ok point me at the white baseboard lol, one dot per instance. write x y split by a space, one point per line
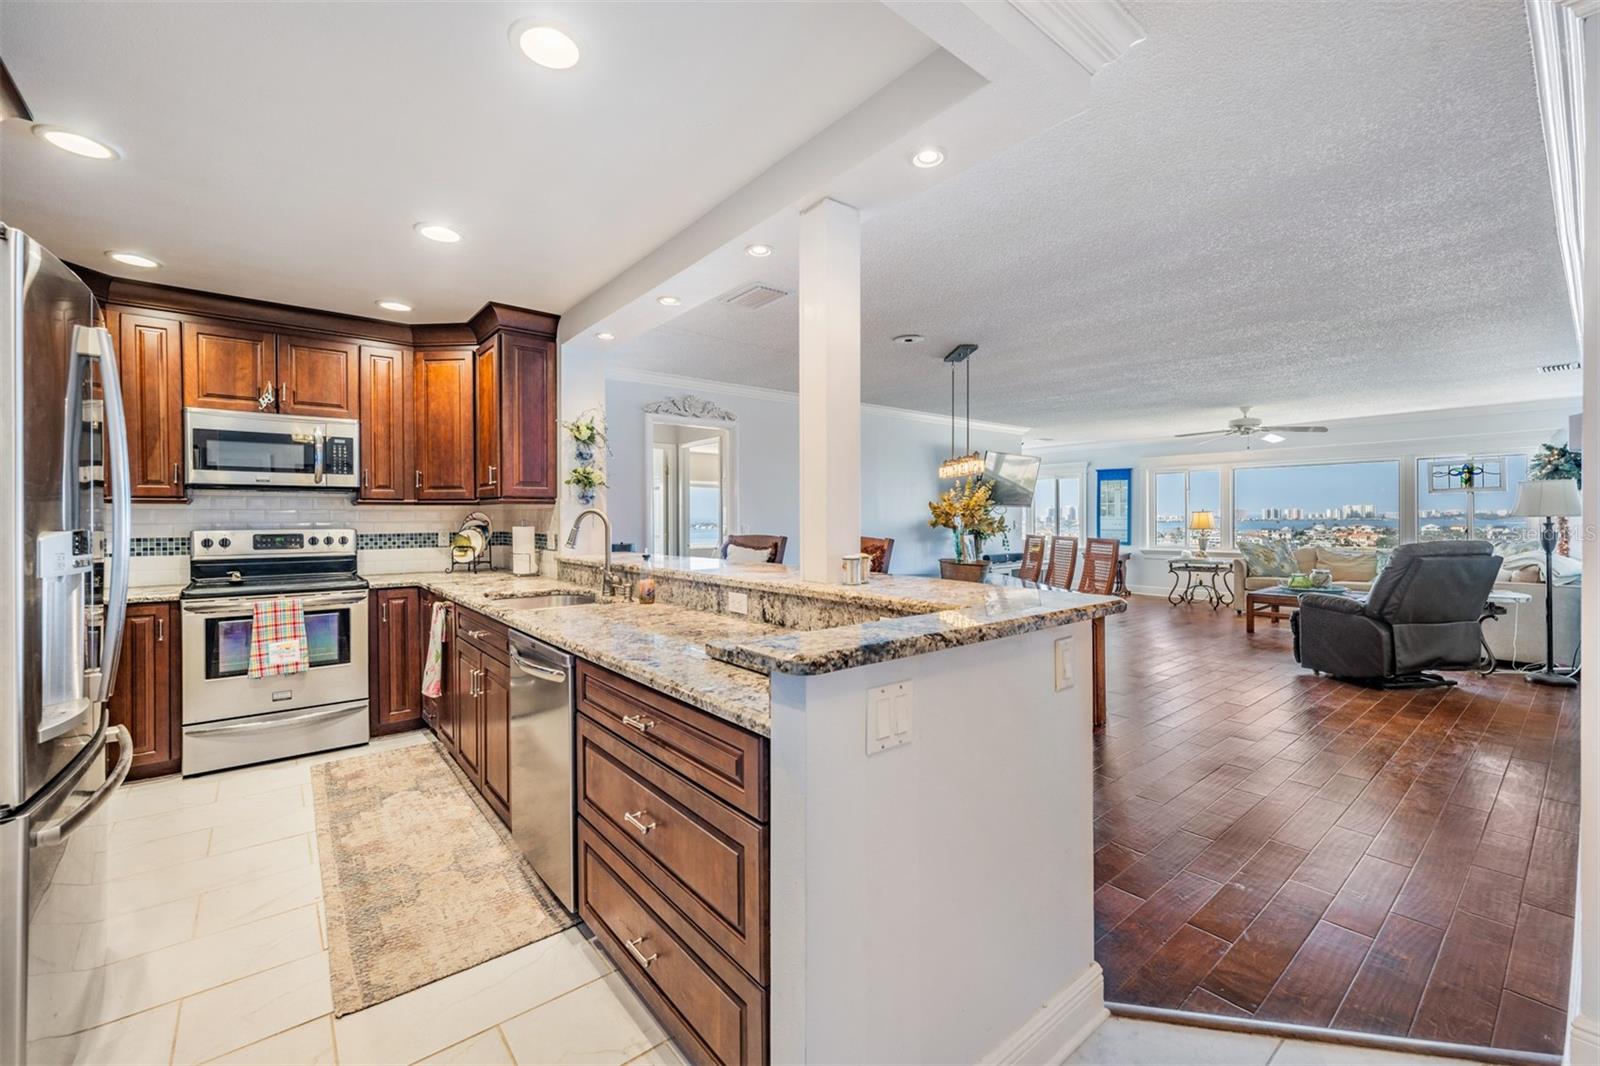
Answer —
1057 1028
1583 1040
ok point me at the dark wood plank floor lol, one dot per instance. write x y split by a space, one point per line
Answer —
1289 848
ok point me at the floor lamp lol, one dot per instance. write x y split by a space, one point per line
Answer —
1557 497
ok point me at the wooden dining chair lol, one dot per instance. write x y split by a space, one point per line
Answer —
877 550
1099 566
770 543
1063 562
1032 558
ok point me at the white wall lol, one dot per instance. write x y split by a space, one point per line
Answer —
900 455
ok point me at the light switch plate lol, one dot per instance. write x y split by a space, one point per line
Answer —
889 721
1063 663
738 602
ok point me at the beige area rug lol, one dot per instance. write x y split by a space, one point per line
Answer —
419 878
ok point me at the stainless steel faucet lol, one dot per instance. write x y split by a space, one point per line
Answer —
608 584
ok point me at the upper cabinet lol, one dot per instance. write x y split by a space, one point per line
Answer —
386 426
149 353
443 411
318 377
229 366
516 410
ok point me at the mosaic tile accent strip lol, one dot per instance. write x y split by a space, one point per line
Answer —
369 542
152 546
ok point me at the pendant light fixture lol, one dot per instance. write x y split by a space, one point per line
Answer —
969 464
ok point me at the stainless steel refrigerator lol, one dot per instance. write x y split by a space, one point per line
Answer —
64 539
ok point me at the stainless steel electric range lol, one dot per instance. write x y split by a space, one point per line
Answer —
233 719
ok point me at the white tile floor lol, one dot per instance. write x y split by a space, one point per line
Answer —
215 950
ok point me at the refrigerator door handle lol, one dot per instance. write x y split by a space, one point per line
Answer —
57 831
95 343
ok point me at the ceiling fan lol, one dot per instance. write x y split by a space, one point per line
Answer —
1247 427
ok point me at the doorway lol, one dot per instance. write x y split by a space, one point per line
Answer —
691 499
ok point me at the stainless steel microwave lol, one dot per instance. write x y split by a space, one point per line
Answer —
243 449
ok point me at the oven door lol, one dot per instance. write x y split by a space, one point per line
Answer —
216 657
235 448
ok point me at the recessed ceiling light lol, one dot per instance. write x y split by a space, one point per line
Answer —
134 259
393 305
760 251
668 301
76 143
909 338
928 157
434 231
606 336
545 45
1274 438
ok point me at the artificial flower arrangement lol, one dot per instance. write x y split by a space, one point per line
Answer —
588 432
967 510
587 480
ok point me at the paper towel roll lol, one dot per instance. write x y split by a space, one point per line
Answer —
524 552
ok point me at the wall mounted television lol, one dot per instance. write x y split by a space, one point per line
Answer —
1012 478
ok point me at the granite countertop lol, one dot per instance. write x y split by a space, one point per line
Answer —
659 645
153 593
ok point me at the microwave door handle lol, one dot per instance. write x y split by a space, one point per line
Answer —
95 343
320 441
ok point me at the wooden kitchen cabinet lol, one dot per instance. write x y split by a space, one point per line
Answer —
228 366
145 696
479 684
149 355
386 430
318 377
494 697
443 412
516 417
465 662
395 661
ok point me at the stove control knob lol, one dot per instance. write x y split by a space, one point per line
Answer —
344 540
206 543
225 543
313 542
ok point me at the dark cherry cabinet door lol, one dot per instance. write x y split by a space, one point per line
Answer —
395 660
465 662
149 349
318 376
494 693
385 423
144 697
527 437
228 366
486 368
443 405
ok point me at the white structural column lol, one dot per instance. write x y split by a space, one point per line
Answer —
1583 1044
581 392
830 388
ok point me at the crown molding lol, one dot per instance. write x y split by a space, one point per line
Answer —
1093 32
756 392
1581 8
1556 31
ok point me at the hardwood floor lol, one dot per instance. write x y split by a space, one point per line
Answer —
1278 846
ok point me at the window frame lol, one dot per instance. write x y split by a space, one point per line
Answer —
1221 536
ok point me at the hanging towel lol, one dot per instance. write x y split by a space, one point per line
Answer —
278 638
433 665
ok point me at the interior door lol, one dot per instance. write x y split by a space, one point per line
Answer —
229 367
318 376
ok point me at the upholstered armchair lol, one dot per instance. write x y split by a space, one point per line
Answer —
1421 615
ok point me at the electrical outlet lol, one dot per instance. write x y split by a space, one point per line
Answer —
888 717
1063 663
738 602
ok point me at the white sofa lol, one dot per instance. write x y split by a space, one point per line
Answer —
1519 636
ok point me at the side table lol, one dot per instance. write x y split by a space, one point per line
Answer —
1199 577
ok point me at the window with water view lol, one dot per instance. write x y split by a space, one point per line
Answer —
1333 505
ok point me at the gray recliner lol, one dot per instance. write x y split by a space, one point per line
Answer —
1422 614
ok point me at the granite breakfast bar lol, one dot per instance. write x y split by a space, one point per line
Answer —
922 743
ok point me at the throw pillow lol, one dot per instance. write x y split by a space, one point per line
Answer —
1349 566
1267 558
736 554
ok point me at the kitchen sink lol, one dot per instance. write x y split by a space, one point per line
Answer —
540 600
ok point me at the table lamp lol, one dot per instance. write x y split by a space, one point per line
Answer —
1202 522
1548 500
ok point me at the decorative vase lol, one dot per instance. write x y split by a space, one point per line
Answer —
584 450
586 497
957 570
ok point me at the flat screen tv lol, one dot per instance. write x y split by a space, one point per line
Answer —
1012 477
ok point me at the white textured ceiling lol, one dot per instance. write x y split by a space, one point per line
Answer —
283 151
1321 209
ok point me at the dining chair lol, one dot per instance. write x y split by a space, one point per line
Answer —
877 550
1063 562
770 543
1032 558
1100 566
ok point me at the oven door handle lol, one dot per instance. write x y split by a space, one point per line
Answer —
231 605
543 673
256 727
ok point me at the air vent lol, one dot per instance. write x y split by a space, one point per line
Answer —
753 297
1557 368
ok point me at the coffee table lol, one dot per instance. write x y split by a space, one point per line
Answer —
1270 602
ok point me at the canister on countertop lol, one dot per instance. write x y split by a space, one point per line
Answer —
524 552
855 569
646 588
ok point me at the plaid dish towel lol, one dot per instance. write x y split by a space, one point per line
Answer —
433 665
278 638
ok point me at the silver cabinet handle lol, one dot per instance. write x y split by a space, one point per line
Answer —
492 479
634 819
384 612
283 391
56 832
177 473
419 479
161 629
477 634
639 722
633 947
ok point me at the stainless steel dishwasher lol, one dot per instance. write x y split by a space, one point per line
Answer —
543 815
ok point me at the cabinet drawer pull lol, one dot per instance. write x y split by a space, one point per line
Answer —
419 479
177 473
492 479
385 612
161 629
633 947
639 722
477 634
633 818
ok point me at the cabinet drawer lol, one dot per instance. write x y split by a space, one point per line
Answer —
485 634
711 1008
721 758
708 860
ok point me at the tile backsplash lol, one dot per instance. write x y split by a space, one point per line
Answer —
390 538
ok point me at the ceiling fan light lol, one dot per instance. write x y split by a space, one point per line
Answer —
1274 438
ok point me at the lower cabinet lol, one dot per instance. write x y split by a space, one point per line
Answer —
479 712
673 860
146 692
395 660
